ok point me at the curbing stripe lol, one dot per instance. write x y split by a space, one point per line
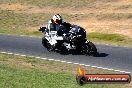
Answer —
65 62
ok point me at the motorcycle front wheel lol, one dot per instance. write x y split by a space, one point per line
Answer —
46 44
89 49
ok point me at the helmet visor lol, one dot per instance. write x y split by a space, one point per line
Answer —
58 21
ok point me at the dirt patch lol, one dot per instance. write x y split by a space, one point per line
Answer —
14 7
31 29
20 8
109 27
105 8
105 26
111 7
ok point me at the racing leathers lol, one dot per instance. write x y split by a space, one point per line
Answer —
61 29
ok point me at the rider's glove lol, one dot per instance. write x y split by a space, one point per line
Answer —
42 29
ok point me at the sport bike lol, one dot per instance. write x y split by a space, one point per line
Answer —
65 41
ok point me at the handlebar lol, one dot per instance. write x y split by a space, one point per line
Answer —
42 29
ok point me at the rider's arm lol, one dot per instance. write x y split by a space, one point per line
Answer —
67 25
51 26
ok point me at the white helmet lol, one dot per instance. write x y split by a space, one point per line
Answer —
57 19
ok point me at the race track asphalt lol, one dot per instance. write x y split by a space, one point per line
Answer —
109 56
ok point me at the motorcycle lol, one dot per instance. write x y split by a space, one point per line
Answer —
63 41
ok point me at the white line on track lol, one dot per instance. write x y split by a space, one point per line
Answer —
44 58
82 64
69 62
57 60
51 59
10 53
3 52
87 65
94 66
110 69
38 57
17 54
76 63
23 55
31 56
63 61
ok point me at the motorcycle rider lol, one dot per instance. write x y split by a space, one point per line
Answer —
57 24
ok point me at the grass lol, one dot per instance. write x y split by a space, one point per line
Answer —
110 38
106 37
21 72
22 23
19 20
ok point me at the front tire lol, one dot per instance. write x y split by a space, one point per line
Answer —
46 44
89 49
93 49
